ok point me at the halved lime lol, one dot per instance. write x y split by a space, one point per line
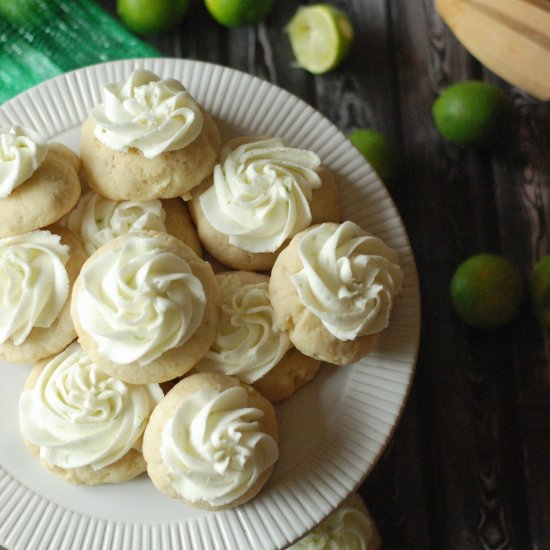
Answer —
320 36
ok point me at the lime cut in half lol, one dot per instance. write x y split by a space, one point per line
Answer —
320 36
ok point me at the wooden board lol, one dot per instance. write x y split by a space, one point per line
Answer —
467 467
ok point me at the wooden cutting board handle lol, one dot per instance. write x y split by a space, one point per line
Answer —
510 37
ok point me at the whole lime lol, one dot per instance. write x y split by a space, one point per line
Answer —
150 17
487 291
234 13
539 290
473 113
379 151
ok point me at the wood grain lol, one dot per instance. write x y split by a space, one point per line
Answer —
467 467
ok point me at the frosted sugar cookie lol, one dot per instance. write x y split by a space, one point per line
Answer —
37 271
97 220
261 194
39 182
350 526
145 307
83 424
149 139
249 346
211 441
333 289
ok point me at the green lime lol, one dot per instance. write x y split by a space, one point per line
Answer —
473 113
486 291
539 287
233 13
379 151
151 16
320 36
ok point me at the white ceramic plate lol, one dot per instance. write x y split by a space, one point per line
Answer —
332 431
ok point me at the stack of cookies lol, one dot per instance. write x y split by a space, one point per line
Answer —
193 285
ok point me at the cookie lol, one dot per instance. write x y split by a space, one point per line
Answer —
349 526
333 289
211 442
248 346
290 374
37 270
39 182
145 307
82 424
261 194
148 140
97 220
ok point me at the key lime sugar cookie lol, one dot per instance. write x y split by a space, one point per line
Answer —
261 194
350 526
145 307
212 442
149 139
39 182
83 424
249 346
97 220
333 289
37 272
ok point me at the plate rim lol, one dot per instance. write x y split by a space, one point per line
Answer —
245 535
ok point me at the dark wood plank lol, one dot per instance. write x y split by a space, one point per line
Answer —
467 466
463 376
523 203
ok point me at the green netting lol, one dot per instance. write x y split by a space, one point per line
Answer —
40 39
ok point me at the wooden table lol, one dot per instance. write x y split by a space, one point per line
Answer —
468 465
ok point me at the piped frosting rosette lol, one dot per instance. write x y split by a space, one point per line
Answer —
22 151
211 441
248 344
97 220
39 181
79 417
34 284
148 139
261 193
147 113
350 526
138 305
348 280
333 288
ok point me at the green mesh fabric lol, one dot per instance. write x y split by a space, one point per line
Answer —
40 39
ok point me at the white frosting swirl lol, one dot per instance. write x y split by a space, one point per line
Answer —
97 220
348 280
247 344
79 416
22 151
214 446
147 113
139 300
345 529
34 284
261 192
